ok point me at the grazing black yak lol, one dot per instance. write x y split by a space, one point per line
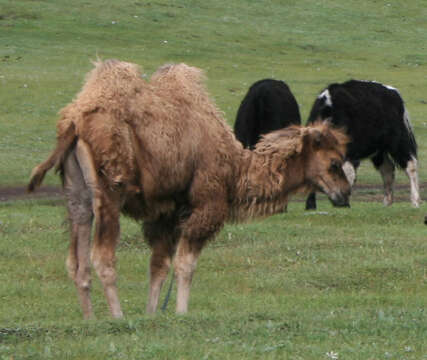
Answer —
377 122
269 105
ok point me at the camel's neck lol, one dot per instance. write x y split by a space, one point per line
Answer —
264 184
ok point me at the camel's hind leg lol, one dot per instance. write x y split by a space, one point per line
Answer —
106 208
79 204
103 252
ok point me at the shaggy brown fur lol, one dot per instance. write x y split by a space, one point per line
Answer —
162 153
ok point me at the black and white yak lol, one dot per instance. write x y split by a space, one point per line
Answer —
268 105
375 118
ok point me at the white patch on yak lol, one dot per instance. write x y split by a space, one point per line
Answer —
327 95
386 86
391 88
407 121
350 172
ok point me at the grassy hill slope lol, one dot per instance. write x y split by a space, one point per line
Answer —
46 48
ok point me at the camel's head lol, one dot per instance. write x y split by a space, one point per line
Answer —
324 150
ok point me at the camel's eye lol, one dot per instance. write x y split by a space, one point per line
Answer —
335 165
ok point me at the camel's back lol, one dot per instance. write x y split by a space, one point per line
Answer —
162 131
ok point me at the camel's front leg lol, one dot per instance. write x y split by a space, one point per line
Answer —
203 224
184 263
162 236
159 268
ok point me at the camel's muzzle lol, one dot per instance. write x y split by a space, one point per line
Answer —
340 200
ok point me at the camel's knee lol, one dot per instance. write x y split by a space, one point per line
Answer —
71 265
83 279
160 266
184 265
184 271
105 269
107 275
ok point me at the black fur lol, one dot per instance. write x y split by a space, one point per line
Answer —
374 118
269 105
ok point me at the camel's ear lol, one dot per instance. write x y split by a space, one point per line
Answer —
318 139
315 138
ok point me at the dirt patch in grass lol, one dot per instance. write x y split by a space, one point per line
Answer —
361 192
11 193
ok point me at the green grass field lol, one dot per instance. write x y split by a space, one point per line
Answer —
294 286
334 284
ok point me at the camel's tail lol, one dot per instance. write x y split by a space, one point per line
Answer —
64 143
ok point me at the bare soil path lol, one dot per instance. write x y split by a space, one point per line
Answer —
9 193
361 192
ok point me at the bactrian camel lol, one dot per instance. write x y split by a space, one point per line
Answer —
162 153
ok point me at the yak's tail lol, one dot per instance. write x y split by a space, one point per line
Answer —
64 143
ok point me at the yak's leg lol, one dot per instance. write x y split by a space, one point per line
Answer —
80 212
387 172
204 222
412 172
404 156
386 168
310 203
106 207
161 237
